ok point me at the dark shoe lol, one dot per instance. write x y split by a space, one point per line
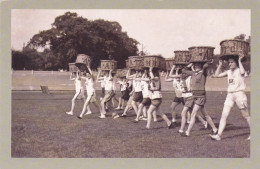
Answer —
79 117
214 133
171 125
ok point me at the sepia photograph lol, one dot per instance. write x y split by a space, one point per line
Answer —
130 83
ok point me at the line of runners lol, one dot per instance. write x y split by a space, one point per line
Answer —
142 92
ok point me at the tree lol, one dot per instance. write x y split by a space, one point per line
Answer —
71 35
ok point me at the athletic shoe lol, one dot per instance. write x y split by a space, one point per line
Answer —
188 122
185 134
181 133
79 117
144 118
206 125
102 117
116 116
89 112
214 132
69 113
118 108
135 121
215 137
123 115
173 120
248 138
155 120
171 126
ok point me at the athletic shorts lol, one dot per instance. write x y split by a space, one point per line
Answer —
91 97
178 100
103 92
108 96
199 100
81 94
138 97
129 103
237 97
125 94
156 102
188 102
146 101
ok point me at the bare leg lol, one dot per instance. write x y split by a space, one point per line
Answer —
196 108
164 117
149 115
73 102
139 111
155 116
223 120
173 106
209 120
183 118
135 107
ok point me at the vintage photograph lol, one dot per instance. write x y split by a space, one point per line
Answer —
130 83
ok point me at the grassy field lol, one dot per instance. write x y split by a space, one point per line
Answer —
40 128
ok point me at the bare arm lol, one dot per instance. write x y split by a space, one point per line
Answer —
218 74
240 65
99 79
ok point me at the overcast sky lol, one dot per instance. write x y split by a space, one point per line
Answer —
160 31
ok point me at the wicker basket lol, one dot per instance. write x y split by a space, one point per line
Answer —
136 62
169 62
182 57
153 61
83 61
201 53
108 64
233 47
73 67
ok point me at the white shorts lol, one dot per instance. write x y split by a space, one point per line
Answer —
237 97
91 97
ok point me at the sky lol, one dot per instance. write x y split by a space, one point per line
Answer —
159 31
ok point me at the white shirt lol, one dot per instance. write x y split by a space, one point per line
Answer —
155 94
137 85
236 81
145 91
123 85
79 84
109 84
102 83
178 85
90 85
187 93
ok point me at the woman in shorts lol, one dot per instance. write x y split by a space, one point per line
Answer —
91 98
156 97
235 92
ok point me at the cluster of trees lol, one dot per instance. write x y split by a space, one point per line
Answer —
71 35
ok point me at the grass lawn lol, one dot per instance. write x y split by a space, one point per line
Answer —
40 128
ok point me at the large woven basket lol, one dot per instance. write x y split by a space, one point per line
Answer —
83 61
201 53
136 62
233 47
181 56
169 62
73 67
108 64
155 61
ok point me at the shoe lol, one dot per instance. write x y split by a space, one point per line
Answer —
123 115
69 113
118 108
79 117
135 121
102 117
116 116
214 132
89 112
185 134
173 120
248 138
171 126
181 132
215 137
144 118
155 120
140 117
206 125
188 122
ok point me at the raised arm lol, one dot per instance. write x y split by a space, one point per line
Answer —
186 71
98 76
240 65
72 78
218 74
167 79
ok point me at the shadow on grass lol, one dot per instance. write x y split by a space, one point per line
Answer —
243 134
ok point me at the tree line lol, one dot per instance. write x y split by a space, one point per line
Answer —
71 35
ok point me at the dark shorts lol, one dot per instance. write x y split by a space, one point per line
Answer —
125 94
199 100
188 102
178 100
108 96
138 97
103 92
146 101
156 102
